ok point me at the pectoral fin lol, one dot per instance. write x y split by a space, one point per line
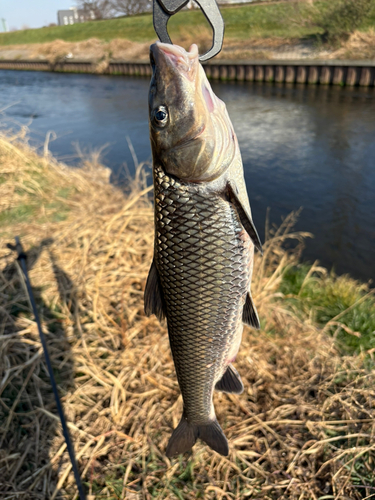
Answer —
244 217
250 315
154 303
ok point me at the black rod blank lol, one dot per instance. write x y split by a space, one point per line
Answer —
22 257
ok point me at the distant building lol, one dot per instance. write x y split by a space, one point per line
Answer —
74 16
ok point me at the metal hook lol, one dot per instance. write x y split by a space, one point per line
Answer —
164 9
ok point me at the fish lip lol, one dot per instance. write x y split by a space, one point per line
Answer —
178 58
177 51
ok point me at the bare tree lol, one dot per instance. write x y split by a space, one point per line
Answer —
131 7
96 9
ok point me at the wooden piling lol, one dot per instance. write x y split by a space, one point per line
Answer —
351 73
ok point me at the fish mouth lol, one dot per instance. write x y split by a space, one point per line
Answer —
185 62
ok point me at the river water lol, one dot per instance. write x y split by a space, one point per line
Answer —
302 146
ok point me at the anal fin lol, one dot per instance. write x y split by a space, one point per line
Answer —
250 315
230 382
154 303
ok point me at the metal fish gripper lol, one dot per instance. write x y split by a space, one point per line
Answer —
164 9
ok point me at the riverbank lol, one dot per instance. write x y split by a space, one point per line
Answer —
303 426
359 46
270 30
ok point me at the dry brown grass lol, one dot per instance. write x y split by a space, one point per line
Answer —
126 50
92 49
360 45
303 428
255 48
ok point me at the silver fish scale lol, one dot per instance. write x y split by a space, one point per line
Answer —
202 258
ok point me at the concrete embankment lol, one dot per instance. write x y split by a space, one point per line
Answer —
294 71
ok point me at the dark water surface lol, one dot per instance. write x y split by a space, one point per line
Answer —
310 146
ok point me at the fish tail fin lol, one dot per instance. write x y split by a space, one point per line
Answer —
185 436
213 435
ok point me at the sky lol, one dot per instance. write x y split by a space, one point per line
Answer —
32 13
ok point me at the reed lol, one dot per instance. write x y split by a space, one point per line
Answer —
303 428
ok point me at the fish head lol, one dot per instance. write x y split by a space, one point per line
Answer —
190 130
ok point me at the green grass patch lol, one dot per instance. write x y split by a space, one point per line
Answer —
15 215
32 205
57 212
264 21
324 298
337 19
240 22
65 192
137 28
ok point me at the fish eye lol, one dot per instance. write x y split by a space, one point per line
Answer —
161 116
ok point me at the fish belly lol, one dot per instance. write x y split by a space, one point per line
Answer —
204 258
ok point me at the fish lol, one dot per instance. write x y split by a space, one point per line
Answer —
200 276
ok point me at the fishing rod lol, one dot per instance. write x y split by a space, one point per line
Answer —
22 258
